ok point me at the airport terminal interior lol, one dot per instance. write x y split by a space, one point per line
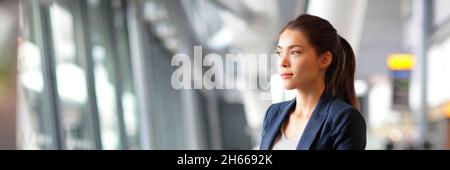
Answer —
99 74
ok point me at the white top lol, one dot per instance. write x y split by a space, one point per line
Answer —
284 143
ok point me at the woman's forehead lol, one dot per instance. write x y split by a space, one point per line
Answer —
290 38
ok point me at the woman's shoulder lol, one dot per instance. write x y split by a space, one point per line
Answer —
273 110
338 105
338 110
275 107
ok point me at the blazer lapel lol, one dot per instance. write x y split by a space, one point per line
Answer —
274 128
315 122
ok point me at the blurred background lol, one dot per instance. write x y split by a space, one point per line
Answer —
96 74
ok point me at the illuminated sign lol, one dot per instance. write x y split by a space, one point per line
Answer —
400 61
400 66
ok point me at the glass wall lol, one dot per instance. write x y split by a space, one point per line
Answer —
70 68
35 116
77 88
166 108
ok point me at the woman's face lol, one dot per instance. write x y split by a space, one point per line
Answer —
300 65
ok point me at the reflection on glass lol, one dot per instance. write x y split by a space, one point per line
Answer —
101 52
166 102
102 38
33 125
127 91
32 132
70 78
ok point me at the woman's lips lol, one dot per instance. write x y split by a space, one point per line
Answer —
286 75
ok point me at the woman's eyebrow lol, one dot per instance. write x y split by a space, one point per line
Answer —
291 46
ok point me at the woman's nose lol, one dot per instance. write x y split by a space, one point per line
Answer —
284 61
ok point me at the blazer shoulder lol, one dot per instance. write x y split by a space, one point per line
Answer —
274 108
341 113
271 112
338 105
339 108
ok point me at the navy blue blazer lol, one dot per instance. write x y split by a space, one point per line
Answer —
333 125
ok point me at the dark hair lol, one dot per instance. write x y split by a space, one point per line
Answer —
339 77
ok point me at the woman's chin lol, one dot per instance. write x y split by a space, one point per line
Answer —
288 86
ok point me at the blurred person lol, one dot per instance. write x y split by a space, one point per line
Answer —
320 65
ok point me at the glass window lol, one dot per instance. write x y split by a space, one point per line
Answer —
127 91
84 46
108 43
34 123
167 118
102 55
70 75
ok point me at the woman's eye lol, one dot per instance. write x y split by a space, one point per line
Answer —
295 52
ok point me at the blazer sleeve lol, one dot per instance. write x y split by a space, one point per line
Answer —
351 131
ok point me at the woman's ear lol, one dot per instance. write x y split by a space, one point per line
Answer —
325 60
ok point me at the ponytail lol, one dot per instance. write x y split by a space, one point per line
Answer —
340 76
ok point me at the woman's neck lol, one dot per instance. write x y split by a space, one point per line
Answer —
307 99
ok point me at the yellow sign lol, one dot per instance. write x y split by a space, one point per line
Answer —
400 61
447 109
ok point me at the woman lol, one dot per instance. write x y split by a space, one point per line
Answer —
320 65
